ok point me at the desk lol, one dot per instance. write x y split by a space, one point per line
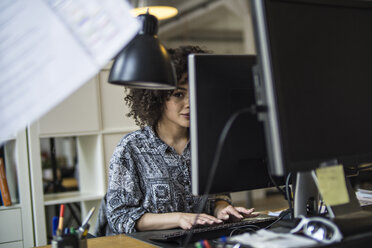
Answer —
360 240
118 241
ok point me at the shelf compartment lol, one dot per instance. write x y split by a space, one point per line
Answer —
68 197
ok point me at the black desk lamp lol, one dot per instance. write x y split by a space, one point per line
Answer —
144 62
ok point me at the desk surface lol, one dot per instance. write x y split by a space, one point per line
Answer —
114 242
360 240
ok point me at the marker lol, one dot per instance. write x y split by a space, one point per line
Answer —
54 225
198 245
223 239
60 223
206 244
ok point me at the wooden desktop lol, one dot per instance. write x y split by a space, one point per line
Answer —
117 241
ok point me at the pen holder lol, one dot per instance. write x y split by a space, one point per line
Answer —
69 241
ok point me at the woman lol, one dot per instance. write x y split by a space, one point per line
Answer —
149 175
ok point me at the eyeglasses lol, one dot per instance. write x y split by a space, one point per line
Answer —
318 228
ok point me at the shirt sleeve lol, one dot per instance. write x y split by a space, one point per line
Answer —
124 197
224 197
209 204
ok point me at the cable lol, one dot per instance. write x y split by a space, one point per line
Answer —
288 194
243 229
277 220
253 110
354 171
276 185
363 167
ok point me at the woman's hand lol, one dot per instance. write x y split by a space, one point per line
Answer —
225 211
187 220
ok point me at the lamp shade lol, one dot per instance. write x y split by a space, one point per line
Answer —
144 62
161 9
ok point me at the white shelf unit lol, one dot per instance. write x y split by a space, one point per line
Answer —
95 115
16 229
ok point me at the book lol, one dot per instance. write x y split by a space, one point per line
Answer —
8 155
1 155
4 185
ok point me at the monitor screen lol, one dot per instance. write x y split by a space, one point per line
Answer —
220 85
315 62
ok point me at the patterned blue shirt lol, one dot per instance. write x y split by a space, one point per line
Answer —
148 176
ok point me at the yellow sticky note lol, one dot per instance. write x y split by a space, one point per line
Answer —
332 186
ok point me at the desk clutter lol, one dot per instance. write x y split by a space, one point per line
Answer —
279 232
265 238
68 237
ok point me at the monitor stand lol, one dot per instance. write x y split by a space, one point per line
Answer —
306 195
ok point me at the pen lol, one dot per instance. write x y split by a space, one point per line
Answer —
90 213
60 223
86 229
83 231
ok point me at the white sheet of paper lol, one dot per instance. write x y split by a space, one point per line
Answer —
268 239
50 48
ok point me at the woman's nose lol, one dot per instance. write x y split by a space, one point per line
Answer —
187 101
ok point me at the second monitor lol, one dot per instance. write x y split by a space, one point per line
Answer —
221 85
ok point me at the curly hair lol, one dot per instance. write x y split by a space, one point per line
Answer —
146 106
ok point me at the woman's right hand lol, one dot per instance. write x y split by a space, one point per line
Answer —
187 220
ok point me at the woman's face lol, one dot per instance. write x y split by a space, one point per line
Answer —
177 108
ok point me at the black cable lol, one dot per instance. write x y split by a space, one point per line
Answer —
362 168
277 220
253 110
354 171
276 185
243 229
288 193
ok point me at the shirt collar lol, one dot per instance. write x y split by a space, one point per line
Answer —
162 146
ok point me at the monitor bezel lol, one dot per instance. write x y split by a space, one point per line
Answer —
264 80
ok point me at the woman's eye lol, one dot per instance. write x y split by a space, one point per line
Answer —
178 94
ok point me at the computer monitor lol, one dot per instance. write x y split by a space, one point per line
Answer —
221 85
315 78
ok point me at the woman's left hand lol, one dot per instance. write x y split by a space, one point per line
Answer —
224 211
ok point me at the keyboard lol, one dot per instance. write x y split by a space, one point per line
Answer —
216 230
